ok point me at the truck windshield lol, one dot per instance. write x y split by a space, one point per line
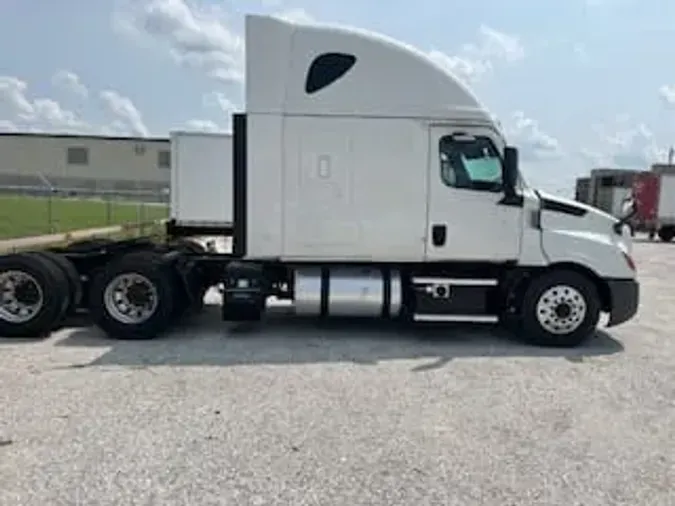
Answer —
486 168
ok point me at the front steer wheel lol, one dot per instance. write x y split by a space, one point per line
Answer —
134 297
559 309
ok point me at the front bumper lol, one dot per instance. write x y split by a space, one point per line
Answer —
625 298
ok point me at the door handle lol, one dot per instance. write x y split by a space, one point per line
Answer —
439 234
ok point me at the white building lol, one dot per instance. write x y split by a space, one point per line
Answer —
84 162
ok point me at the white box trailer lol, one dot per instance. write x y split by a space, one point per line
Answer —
201 180
609 189
666 209
366 181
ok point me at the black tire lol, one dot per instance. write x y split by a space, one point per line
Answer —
72 278
149 265
51 281
666 234
533 323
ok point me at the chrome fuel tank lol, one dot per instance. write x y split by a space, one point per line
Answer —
347 292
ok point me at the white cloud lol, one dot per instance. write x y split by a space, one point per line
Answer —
71 82
473 61
196 36
205 39
13 95
124 111
532 141
495 44
202 125
220 100
7 126
625 143
667 93
466 69
36 114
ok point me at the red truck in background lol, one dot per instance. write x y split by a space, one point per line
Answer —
654 202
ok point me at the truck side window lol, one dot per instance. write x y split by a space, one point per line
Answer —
326 69
471 164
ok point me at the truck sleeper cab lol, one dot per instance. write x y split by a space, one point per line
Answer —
366 182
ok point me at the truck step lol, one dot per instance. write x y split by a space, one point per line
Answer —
455 318
452 299
453 281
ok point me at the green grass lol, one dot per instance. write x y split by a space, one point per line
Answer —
22 216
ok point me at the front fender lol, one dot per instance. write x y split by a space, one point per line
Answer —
597 252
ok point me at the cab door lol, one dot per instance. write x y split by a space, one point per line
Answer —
467 219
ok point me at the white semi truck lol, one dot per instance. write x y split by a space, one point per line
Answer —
366 182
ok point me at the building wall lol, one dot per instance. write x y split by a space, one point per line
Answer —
107 160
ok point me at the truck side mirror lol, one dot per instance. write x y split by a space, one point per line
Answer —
510 170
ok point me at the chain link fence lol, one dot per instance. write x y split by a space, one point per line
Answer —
38 210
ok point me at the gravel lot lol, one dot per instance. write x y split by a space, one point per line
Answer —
295 414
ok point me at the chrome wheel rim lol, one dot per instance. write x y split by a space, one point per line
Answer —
131 298
21 297
561 309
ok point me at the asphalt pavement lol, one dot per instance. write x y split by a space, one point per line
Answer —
297 413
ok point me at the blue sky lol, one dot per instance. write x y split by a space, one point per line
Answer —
576 84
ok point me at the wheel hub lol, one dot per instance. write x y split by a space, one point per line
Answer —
21 297
130 298
561 309
27 293
138 294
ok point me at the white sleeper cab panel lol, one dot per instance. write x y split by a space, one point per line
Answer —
268 49
264 186
201 178
383 77
355 188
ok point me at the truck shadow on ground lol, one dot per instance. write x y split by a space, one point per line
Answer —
207 341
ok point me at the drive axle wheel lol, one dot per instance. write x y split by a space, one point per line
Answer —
34 295
560 309
71 275
134 297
